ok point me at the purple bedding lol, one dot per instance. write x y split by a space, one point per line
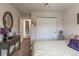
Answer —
74 44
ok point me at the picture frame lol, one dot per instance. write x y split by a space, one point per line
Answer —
77 18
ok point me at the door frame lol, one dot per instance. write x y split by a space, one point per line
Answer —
24 28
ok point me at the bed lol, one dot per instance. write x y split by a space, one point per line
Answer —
53 48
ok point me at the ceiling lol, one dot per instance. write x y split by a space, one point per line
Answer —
25 8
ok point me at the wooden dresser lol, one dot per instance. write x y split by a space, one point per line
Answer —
13 43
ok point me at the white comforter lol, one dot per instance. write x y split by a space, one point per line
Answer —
52 48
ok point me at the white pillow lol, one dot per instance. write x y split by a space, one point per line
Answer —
71 36
76 37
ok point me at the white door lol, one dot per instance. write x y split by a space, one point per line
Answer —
46 29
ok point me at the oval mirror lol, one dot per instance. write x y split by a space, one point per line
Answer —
8 20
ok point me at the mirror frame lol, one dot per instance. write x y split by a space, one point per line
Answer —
5 14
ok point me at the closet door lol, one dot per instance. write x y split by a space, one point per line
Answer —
46 29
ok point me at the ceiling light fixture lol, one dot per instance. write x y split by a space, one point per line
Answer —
46 4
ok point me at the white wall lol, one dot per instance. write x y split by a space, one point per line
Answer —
35 15
15 14
21 29
70 21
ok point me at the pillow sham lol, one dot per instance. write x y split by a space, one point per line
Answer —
74 44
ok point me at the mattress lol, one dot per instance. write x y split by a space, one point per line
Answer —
52 48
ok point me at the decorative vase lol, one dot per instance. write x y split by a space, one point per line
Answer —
5 37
